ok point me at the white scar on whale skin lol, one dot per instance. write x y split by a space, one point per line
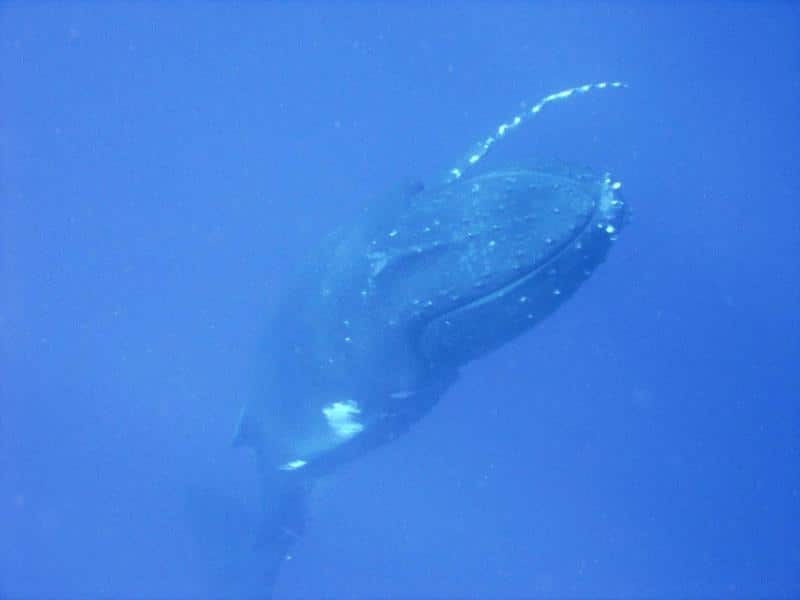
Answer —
341 417
483 147
293 465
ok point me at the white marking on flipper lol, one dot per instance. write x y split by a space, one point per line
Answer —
482 148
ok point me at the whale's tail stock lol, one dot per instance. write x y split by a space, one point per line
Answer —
285 509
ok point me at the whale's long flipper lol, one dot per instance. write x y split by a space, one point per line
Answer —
482 148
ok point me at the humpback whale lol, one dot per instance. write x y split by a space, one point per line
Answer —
384 314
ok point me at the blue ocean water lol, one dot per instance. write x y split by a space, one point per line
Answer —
165 165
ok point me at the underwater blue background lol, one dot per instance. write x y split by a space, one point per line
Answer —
164 166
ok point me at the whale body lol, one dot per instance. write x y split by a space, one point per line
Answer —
386 312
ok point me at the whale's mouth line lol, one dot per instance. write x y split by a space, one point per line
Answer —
607 209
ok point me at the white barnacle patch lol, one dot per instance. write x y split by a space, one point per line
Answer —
393 233
610 229
341 417
293 465
609 203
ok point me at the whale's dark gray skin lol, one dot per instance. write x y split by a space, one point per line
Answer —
386 312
